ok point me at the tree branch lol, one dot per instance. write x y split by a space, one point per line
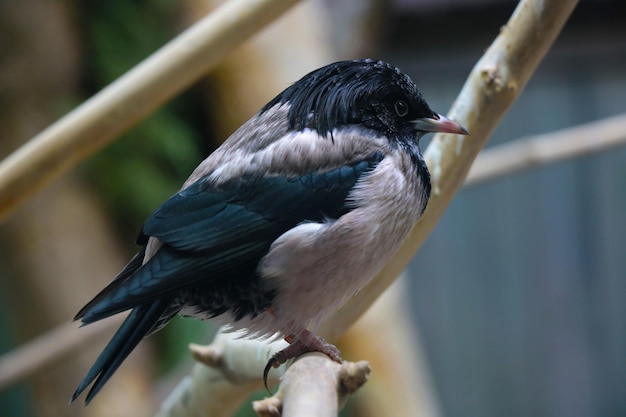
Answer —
492 86
228 372
141 90
547 148
390 340
314 386
49 348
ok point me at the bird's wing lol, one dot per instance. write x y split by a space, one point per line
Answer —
214 235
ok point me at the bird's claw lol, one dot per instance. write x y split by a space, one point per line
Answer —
295 349
272 363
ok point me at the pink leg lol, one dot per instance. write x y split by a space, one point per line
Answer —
305 342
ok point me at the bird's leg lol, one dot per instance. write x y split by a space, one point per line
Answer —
299 347
304 342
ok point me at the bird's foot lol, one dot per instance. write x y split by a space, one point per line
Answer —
297 348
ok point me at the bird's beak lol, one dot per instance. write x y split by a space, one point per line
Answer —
439 123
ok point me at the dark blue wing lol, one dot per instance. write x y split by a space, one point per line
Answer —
204 217
214 237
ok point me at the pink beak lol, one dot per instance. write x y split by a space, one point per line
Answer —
439 123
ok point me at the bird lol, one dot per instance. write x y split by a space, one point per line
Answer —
285 221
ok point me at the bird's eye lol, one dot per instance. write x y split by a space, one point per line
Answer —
402 109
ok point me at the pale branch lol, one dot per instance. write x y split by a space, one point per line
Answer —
314 386
548 148
138 92
492 86
228 372
390 340
230 368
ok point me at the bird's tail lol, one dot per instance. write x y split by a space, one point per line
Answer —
140 322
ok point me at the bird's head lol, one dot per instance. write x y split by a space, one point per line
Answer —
367 93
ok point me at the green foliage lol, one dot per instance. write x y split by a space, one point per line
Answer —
137 173
145 166
120 33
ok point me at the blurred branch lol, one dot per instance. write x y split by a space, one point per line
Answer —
138 92
547 148
389 338
49 348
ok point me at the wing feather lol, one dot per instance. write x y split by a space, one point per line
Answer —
215 235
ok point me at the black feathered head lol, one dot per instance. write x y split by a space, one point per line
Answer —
364 92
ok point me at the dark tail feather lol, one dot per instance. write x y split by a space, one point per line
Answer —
137 325
128 271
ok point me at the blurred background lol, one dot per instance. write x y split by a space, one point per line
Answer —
516 299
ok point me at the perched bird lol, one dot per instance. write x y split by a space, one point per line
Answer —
294 213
